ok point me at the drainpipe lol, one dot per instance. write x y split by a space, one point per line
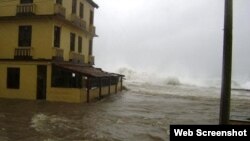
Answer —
227 64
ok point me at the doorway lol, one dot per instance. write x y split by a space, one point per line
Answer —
41 82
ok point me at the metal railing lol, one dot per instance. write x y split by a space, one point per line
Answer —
60 10
26 8
92 29
23 53
91 60
78 21
58 54
76 57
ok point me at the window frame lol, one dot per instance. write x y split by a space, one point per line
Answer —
90 47
81 11
72 41
24 36
57 36
59 2
80 44
13 78
74 6
26 1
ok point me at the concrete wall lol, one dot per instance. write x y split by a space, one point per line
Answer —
28 85
43 29
119 87
112 89
105 90
28 81
65 40
41 40
72 95
45 7
93 94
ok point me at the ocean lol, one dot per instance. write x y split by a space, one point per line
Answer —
143 111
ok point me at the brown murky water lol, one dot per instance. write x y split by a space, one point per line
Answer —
142 113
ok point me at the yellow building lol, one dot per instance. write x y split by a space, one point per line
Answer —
46 52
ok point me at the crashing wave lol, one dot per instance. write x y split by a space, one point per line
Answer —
172 81
155 78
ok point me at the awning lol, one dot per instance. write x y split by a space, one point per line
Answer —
85 70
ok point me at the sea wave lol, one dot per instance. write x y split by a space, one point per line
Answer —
158 78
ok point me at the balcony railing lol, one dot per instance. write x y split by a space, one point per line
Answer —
57 54
76 57
77 21
26 9
60 10
91 60
92 29
23 53
83 24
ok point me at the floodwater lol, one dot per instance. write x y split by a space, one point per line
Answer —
144 112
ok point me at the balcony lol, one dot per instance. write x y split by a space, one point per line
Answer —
59 10
57 54
26 9
78 22
92 29
23 53
91 60
76 57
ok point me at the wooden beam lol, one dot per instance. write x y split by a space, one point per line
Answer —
116 86
100 88
121 83
109 85
88 88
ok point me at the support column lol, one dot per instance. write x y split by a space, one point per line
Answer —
121 83
227 64
88 88
116 86
100 88
109 85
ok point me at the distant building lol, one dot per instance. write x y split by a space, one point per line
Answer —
46 52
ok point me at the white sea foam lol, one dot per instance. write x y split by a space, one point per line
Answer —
159 78
246 85
44 123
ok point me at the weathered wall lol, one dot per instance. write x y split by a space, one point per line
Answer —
28 78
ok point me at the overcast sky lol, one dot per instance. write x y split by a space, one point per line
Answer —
179 37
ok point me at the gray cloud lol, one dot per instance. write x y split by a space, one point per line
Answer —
172 36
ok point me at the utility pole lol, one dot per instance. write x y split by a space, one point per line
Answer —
227 64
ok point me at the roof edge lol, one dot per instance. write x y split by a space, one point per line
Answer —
93 3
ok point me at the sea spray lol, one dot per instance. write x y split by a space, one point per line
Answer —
145 77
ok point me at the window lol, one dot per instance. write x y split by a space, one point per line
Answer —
59 2
91 20
65 79
25 36
81 10
57 36
13 78
74 5
80 44
72 41
26 1
90 47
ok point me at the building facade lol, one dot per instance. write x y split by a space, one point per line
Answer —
47 52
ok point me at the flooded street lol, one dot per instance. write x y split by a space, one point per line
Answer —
144 112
